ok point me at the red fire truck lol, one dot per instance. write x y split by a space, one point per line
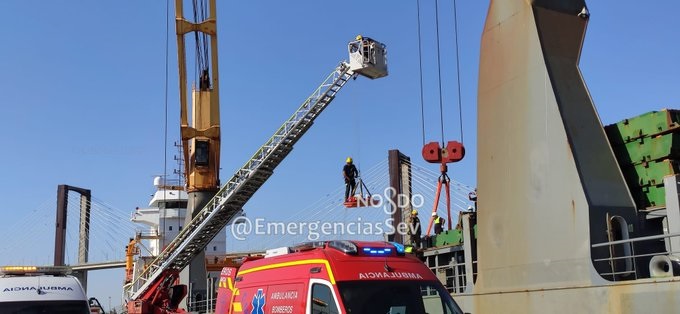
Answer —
333 277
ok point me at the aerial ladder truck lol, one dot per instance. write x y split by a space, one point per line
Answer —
156 290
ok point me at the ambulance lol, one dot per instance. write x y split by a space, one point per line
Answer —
334 277
41 289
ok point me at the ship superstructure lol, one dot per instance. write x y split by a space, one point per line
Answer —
165 216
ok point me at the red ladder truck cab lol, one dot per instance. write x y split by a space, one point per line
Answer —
334 277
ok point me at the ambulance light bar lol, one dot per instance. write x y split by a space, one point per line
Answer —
34 270
378 251
344 246
400 248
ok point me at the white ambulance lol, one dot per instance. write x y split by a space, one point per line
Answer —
41 289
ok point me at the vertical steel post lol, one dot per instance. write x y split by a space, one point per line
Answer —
400 187
60 226
84 232
393 168
84 242
469 249
404 203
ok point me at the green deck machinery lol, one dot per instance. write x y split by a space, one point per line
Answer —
648 149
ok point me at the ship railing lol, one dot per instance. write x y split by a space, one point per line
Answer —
148 234
206 304
458 278
633 257
639 239
455 279
168 181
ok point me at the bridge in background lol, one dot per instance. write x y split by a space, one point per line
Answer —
96 238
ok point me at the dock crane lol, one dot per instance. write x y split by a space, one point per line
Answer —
155 289
200 126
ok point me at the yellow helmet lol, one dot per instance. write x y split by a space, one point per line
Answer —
414 212
349 159
359 37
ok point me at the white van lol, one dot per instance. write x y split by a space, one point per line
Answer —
41 289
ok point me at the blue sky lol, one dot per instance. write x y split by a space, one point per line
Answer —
83 97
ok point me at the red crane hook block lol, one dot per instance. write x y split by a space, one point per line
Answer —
453 152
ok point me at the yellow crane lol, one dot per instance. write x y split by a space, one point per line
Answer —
201 134
200 124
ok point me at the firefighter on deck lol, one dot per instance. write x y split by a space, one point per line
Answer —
349 172
414 230
438 223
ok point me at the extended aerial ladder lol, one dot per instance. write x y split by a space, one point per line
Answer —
154 290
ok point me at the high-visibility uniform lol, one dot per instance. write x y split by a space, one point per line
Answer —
438 225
